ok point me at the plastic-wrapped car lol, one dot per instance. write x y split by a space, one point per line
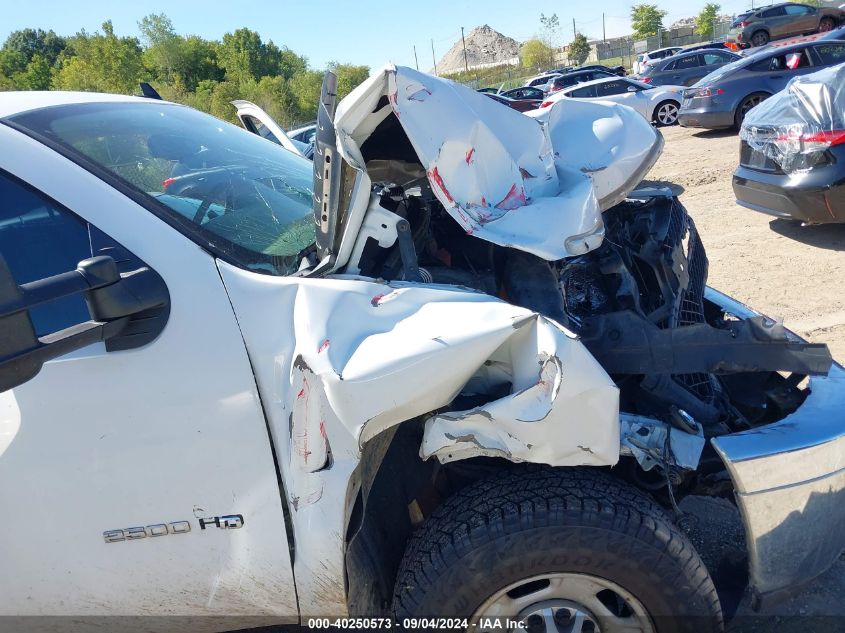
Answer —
792 156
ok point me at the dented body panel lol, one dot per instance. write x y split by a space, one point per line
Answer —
338 361
492 168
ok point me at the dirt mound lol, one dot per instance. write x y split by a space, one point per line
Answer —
485 47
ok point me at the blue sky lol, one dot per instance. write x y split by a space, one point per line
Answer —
369 32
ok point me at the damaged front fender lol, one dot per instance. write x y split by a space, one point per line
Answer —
338 361
556 393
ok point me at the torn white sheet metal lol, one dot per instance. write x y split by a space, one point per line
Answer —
338 361
491 167
612 143
557 388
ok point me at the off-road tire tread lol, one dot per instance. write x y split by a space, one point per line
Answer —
523 499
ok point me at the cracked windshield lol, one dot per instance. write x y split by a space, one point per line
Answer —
245 197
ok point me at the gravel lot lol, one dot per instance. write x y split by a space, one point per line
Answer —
783 270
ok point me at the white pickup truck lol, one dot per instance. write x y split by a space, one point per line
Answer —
460 370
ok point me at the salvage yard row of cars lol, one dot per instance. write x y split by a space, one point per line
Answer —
460 364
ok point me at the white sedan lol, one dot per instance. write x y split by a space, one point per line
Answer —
656 103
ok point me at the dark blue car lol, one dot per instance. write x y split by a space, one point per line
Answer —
724 97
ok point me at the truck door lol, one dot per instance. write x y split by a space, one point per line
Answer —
136 475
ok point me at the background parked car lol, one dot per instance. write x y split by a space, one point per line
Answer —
616 70
724 97
783 20
800 129
524 93
835 34
541 81
577 77
523 105
684 69
644 59
304 133
706 45
658 104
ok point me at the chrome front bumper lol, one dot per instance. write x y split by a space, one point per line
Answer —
789 479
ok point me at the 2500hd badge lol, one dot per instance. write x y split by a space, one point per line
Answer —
227 522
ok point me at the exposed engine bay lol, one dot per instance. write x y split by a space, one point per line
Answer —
637 302
622 268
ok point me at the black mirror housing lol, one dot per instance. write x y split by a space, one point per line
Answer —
113 300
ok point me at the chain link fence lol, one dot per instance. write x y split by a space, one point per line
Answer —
621 51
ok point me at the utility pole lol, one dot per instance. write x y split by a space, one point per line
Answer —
433 59
573 29
603 31
466 65
416 61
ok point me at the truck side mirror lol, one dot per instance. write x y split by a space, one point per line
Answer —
112 302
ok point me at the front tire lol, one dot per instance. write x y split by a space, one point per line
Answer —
552 545
666 113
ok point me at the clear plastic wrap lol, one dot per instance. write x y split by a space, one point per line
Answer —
795 126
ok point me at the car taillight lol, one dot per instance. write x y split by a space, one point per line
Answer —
706 92
743 24
646 80
816 141
554 88
167 182
546 104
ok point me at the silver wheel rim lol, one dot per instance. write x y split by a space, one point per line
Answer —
667 114
563 602
750 103
759 40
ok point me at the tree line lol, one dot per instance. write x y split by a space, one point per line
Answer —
189 69
646 21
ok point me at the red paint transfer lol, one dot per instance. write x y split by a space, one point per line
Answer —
437 179
469 154
513 200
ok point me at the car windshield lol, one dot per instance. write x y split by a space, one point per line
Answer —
243 197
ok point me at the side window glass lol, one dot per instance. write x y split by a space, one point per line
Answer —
690 61
671 66
774 13
38 239
612 88
262 130
796 9
831 53
786 61
583 93
797 59
709 59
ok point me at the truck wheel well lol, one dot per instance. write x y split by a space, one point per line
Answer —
397 491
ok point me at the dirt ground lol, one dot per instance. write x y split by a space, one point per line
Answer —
780 268
783 270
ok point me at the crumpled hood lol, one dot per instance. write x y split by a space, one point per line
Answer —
496 171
